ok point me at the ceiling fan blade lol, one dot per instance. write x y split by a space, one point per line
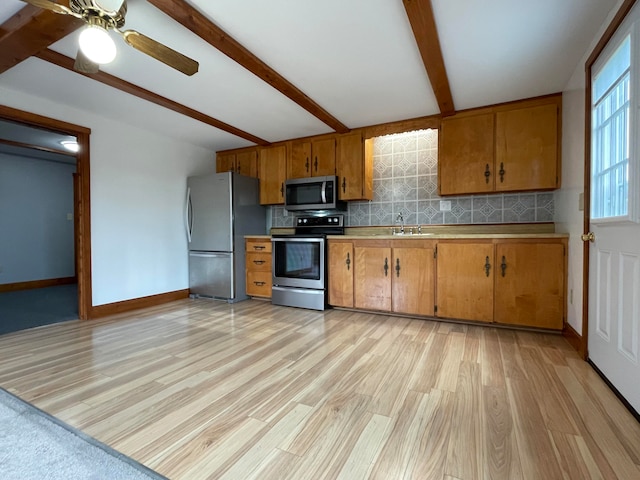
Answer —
84 65
160 52
54 7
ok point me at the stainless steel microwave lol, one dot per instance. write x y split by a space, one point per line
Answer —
312 193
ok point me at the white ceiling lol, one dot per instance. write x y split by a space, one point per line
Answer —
357 59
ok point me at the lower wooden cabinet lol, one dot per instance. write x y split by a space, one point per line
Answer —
465 280
507 281
530 284
340 268
258 267
385 275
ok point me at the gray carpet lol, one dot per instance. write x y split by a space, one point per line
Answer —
36 446
40 306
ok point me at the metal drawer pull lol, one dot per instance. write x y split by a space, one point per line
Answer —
397 267
316 164
503 265
259 262
487 173
386 266
487 266
260 284
348 262
344 184
502 172
258 247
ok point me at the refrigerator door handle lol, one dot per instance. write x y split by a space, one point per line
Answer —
188 219
323 192
210 255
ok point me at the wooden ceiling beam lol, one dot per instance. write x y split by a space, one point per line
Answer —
423 24
30 30
197 23
122 85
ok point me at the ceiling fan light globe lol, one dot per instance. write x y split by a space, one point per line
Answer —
97 44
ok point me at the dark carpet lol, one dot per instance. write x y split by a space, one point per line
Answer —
39 306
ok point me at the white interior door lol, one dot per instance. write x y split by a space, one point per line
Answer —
614 254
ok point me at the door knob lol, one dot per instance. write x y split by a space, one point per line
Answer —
588 237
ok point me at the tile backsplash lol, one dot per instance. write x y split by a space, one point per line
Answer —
405 169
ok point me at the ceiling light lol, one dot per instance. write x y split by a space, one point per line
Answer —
70 145
97 45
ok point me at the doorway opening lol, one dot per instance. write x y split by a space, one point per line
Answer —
39 138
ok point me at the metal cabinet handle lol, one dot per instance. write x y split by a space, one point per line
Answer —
258 247
487 266
259 284
258 262
344 184
501 172
306 165
487 173
348 261
282 189
386 266
397 267
503 265
316 164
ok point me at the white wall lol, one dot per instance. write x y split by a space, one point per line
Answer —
568 217
138 187
36 239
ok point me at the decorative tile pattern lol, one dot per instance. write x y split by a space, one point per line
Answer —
405 180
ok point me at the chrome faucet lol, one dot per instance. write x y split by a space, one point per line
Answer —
400 219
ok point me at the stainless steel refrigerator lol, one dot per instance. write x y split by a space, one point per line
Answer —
221 209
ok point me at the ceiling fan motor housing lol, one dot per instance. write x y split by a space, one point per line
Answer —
95 14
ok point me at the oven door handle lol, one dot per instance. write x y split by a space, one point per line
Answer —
299 239
323 192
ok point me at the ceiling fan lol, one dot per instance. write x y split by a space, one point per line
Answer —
97 47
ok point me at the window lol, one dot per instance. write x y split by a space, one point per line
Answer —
610 136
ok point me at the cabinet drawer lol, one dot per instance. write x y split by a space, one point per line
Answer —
259 284
258 262
258 246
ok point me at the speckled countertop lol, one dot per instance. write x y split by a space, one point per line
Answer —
441 232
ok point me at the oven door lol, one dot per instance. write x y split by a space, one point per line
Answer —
299 262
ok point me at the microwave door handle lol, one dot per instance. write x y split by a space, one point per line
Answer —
323 192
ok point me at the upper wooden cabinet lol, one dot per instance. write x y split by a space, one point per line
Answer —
313 158
506 148
527 148
273 172
354 167
244 162
466 154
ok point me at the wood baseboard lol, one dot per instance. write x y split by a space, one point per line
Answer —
573 337
49 282
136 303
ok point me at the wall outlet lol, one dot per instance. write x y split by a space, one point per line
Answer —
69 216
445 205
581 202
571 296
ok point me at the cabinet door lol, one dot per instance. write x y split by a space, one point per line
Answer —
299 164
466 155
273 169
527 148
372 279
413 280
225 162
464 284
530 284
354 167
323 157
247 163
340 268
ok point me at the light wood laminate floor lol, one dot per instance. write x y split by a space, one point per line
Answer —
202 389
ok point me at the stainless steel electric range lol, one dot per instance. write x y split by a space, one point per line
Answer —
300 262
